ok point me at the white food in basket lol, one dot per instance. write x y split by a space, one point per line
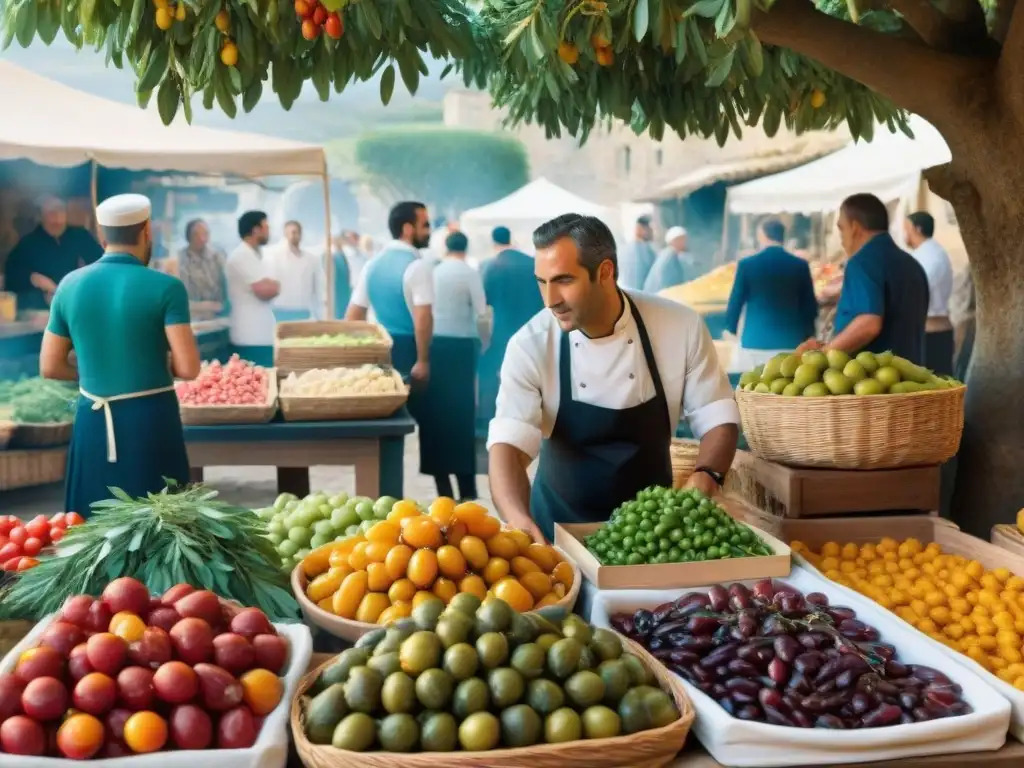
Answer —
269 751
736 742
320 382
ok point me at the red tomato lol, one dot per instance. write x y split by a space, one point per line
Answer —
18 535
6 524
37 528
56 534
9 550
73 518
58 519
27 562
3 540
32 546
12 564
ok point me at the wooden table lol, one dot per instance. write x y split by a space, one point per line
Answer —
375 448
694 755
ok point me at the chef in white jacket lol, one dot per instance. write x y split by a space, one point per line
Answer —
301 275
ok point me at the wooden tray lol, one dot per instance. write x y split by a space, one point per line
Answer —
24 469
344 407
202 415
299 359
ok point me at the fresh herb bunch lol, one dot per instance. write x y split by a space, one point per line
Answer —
180 535
38 401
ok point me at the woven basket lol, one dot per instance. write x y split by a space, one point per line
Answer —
647 749
344 407
684 459
351 630
11 633
24 469
7 429
203 415
852 431
299 359
42 435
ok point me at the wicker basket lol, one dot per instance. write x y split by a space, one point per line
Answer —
7 429
646 749
299 359
42 435
684 459
24 469
12 632
203 415
351 630
344 407
854 432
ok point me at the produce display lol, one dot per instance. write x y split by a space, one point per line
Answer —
479 677
38 401
956 601
335 382
332 340
712 287
771 654
133 674
21 542
238 382
818 374
662 525
179 535
297 526
411 557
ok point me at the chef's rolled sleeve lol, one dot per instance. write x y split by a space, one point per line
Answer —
708 399
519 411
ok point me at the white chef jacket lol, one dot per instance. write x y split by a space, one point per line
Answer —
459 300
417 281
939 269
302 279
611 372
252 319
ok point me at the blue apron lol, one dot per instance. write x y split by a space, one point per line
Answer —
342 285
596 458
150 448
289 315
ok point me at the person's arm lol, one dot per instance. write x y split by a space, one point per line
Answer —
514 438
185 360
483 316
737 299
421 279
710 408
55 352
864 296
359 302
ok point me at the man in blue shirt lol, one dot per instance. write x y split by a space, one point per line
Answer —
774 293
638 257
46 255
884 301
511 290
674 265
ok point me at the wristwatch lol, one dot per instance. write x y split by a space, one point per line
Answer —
718 477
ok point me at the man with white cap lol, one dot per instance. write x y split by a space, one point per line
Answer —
123 321
674 265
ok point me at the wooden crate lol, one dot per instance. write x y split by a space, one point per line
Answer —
798 492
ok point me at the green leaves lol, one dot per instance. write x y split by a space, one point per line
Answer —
167 100
641 19
387 84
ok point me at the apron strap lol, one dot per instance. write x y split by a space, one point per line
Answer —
645 342
108 415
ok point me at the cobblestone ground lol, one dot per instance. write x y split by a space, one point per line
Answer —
254 486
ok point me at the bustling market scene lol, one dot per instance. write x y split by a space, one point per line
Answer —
622 384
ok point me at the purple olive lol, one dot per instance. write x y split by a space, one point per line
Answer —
773 626
922 715
719 598
857 630
749 712
895 669
718 691
663 612
809 662
702 675
801 719
792 606
741 688
860 703
770 698
887 714
829 721
747 624
727 704
682 656
696 643
662 654
701 625
656 643
952 688
812 640
909 700
623 623
722 655
668 627
786 648
845 679
743 668
643 622
828 671
798 683
778 671
764 590
775 717
782 587
722 672
906 718
817 598
841 613
928 674
882 650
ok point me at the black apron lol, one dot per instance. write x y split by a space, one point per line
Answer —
596 458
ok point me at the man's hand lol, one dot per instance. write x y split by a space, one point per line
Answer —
43 283
704 483
808 345
420 372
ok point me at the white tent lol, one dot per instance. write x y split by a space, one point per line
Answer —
52 124
890 167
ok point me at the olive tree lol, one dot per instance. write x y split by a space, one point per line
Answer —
705 67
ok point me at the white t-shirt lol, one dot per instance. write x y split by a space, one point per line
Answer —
301 276
460 303
357 260
939 269
252 319
417 281
611 372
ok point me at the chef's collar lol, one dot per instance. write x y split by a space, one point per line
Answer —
621 325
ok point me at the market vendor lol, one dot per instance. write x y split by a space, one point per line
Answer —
44 256
251 289
201 267
122 320
595 387
300 275
884 300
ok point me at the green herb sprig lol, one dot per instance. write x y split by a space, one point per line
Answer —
180 535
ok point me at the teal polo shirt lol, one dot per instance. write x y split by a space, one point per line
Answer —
115 313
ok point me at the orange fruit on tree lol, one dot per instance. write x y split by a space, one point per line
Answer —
422 533
402 590
515 594
496 569
145 732
475 552
164 19
261 690
229 54
387 531
605 57
451 562
397 560
442 511
474 585
402 510
180 12
127 626
422 568
222 21
568 52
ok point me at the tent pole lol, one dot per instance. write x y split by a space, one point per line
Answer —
329 271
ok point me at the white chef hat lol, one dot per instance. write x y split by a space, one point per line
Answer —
123 211
673 233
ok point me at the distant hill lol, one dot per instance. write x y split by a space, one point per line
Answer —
347 114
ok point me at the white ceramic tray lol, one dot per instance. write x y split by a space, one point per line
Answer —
269 751
736 742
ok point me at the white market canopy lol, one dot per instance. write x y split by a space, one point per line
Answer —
537 202
51 124
890 167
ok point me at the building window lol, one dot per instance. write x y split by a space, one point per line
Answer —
624 160
658 157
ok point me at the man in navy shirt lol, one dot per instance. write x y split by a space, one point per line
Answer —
884 301
776 291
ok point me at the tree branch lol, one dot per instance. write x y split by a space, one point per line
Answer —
933 27
936 85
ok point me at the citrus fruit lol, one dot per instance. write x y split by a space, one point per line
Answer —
145 732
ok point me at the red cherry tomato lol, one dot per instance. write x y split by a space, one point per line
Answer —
12 564
6 524
56 534
73 518
26 562
32 546
9 550
3 540
58 519
18 535
37 528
